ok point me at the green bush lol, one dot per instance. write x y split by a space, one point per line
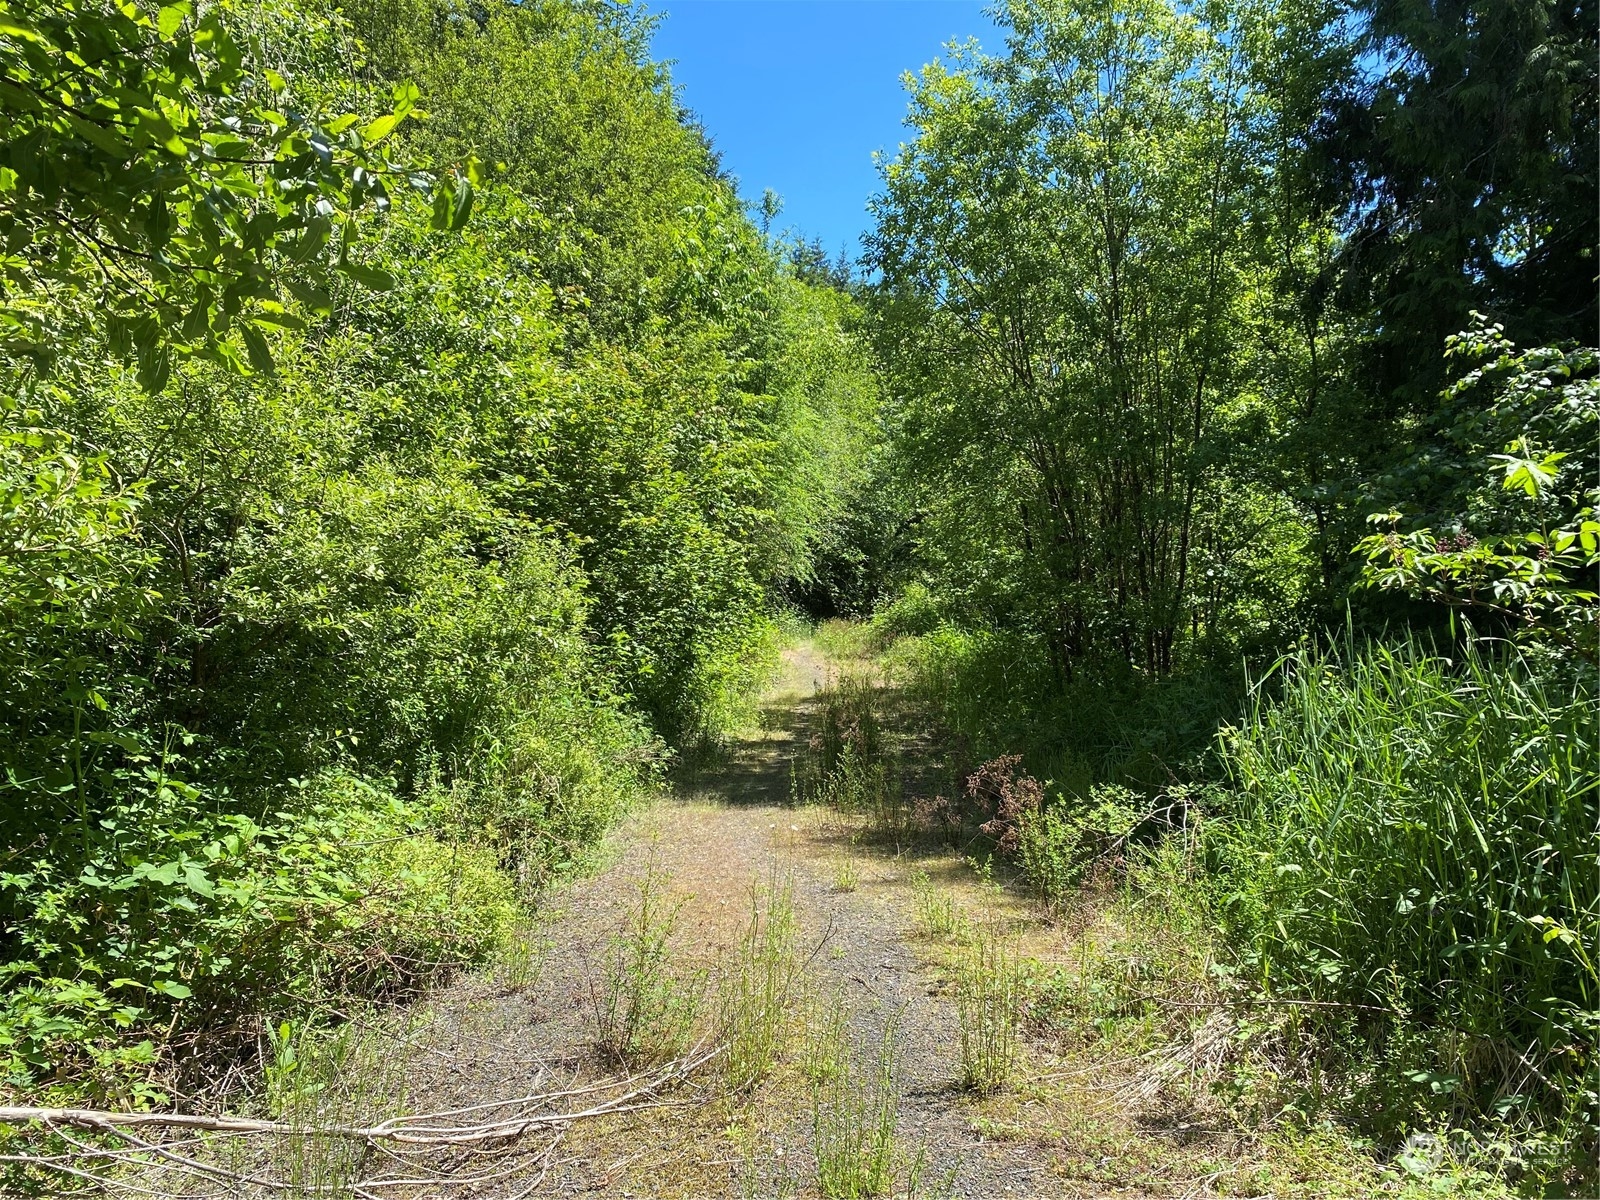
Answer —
317 658
915 612
1062 843
994 692
176 916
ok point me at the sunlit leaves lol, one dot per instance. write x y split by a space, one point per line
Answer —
1525 541
144 170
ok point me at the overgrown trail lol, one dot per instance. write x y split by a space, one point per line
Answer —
709 845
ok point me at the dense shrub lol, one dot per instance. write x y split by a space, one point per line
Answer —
993 690
1061 846
173 913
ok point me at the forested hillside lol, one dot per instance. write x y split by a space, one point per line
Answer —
413 449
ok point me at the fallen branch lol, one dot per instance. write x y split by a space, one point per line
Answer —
415 1129
408 1140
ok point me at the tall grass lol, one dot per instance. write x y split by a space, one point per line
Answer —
854 1125
1415 839
988 992
848 765
645 1007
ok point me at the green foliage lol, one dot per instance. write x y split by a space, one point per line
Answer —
1160 292
1064 258
1413 837
698 432
993 691
313 675
1461 148
158 163
174 913
936 913
1528 549
645 1007
988 996
853 1126
755 991
1061 844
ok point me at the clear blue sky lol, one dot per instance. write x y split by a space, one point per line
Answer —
797 94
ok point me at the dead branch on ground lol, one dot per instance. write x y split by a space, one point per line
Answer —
420 1154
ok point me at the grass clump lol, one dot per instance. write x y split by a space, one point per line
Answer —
754 994
936 910
645 1008
826 1048
849 767
315 1077
847 872
1413 844
988 993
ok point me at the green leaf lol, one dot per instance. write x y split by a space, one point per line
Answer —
463 203
197 324
311 242
444 206
170 19
406 96
255 345
12 25
166 873
317 299
103 138
373 278
279 318
377 130
155 366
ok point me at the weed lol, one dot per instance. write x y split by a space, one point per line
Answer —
314 1077
917 1185
755 991
1060 847
987 995
1415 835
518 964
826 1051
764 1170
847 873
853 1128
644 1011
936 911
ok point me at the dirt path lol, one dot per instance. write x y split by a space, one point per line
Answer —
714 839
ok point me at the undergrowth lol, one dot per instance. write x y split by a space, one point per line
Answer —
988 992
756 988
1373 899
645 1004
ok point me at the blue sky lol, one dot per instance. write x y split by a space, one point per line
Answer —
797 94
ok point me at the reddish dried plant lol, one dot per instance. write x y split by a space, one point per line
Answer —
936 813
1002 793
